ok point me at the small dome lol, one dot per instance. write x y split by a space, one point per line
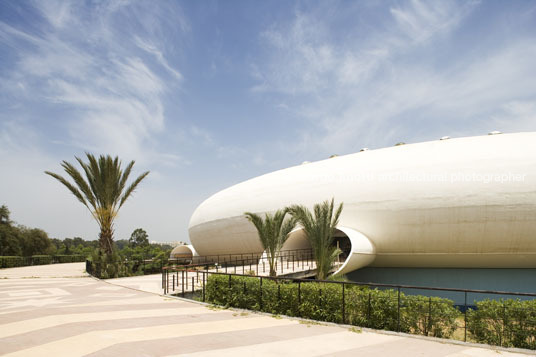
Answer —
445 138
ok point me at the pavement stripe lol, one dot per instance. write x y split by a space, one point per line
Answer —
94 341
62 310
43 336
19 327
207 342
308 346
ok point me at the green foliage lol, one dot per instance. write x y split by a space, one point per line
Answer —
509 323
128 261
17 261
41 259
323 302
273 232
11 261
319 227
4 215
139 238
103 190
35 241
69 258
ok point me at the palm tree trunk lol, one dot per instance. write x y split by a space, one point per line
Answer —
106 240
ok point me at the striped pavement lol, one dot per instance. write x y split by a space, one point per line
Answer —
57 310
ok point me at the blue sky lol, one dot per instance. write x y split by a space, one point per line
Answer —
206 94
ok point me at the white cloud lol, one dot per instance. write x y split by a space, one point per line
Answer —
390 86
111 98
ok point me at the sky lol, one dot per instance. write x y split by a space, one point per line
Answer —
206 94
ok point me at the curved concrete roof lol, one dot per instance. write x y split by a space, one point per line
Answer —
467 202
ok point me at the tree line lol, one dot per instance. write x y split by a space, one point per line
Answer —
19 240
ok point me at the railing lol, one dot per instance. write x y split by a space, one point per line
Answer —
235 258
379 306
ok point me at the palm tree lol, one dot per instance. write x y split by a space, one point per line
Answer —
102 191
273 232
319 229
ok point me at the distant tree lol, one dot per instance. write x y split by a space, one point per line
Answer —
35 241
273 232
9 235
68 243
122 243
319 228
10 240
103 191
4 215
139 238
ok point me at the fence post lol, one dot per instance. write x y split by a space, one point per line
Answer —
465 318
230 277
429 325
299 297
203 286
182 275
278 294
398 314
193 287
343 306
260 292
368 309
173 282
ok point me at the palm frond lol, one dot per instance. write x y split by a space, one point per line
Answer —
102 190
69 186
132 187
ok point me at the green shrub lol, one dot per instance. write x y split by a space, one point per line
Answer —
11 261
509 323
69 258
41 259
323 302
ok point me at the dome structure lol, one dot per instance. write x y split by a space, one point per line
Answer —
184 252
457 203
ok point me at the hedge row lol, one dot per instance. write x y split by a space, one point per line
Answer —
505 322
365 307
16 261
509 323
106 268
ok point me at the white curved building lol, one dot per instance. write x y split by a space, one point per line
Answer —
452 203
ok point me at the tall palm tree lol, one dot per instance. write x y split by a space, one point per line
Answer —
319 228
273 232
102 191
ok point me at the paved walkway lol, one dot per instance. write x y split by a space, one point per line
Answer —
57 310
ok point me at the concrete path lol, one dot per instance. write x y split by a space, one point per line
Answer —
57 314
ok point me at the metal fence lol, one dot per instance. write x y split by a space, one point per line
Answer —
238 258
379 306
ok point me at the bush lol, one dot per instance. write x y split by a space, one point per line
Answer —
323 302
11 261
509 323
69 258
41 259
